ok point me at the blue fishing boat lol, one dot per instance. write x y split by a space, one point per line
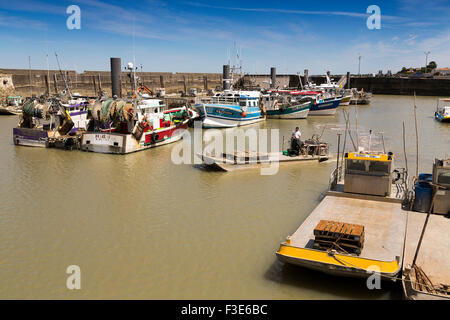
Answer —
325 107
321 104
229 109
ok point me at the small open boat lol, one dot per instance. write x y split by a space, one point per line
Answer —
311 150
358 228
442 113
10 111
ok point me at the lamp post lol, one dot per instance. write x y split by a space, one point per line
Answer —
426 60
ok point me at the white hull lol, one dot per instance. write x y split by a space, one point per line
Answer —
225 123
119 143
30 143
325 112
128 145
303 114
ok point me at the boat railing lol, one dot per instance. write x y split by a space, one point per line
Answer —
335 177
225 100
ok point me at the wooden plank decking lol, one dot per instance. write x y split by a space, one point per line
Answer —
384 224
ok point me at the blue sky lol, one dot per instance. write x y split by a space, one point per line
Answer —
200 35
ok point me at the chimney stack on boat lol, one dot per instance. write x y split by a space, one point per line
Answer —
226 77
273 77
348 80
116 77
306 73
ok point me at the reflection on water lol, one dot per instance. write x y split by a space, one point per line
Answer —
141 227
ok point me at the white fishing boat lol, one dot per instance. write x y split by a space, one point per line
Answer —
121 128
12 106
442 113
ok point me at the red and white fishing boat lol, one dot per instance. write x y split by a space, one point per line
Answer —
145 126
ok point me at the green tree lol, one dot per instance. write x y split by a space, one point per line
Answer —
432 65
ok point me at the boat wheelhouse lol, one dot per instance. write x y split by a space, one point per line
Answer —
230 108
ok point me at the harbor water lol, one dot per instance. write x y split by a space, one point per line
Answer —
141 227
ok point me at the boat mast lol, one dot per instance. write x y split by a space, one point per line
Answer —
63 76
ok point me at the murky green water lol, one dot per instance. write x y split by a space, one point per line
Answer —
141 227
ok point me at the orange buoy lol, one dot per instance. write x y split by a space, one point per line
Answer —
244 114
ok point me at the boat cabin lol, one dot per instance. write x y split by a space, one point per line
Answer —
243 98
151 110
14 100
368 173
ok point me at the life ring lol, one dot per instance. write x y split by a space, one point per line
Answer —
244 112
155 137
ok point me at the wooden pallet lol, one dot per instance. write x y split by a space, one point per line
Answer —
341 236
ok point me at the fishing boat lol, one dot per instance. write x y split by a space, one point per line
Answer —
313 149
332 88
231 108
442 113
285 107
12 106
119 127
426 271
10 111
322 103
45 123
359 227
360 97
347 96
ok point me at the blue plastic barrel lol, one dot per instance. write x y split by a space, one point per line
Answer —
428 177
422 200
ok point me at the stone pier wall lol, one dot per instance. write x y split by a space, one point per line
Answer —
87 83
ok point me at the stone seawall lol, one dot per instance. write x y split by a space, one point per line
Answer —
403 86
381 85
87 82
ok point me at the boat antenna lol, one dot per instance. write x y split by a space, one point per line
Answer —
356 120
417 136
382 139
404 152
29 66
48 73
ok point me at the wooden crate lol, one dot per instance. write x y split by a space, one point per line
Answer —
341 236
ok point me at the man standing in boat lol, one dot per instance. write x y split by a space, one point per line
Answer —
296 139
